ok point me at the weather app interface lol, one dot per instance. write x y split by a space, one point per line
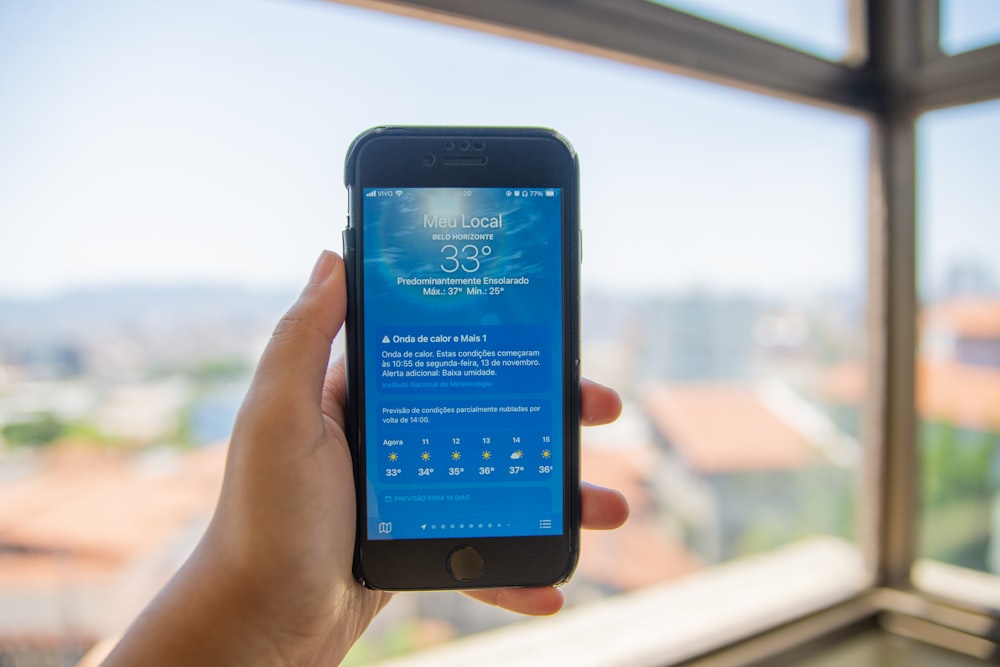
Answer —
463 362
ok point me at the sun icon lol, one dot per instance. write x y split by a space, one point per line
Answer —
426 456
546 454
393 456
456 455
487 455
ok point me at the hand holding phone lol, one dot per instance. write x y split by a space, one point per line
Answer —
463 253
286 516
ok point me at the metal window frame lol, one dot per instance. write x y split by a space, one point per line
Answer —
894 72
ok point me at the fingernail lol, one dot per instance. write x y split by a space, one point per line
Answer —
323 268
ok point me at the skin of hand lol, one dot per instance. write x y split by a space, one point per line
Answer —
270 583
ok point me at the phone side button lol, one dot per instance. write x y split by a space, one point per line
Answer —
465 564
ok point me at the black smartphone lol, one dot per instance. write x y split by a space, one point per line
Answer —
462 251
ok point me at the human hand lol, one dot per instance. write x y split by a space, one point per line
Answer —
271 580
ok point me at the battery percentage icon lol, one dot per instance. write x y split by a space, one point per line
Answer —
550 193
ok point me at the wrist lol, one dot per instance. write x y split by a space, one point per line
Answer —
206 615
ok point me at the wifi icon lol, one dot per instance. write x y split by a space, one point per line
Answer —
399 193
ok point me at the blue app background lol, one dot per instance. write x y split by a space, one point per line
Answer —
463 364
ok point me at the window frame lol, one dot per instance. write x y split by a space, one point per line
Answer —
894 72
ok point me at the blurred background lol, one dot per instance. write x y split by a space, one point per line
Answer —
169 172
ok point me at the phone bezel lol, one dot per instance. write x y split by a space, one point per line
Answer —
515 157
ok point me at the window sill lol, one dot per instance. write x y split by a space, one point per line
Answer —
951 582
672 622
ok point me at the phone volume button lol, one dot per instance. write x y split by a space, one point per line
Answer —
348 239
579 245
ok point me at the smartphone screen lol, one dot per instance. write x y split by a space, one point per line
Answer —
463 356
463 370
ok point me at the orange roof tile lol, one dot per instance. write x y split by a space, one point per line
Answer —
721 428
845 384
87 513
960 394
640 553
975 317
637 555
967 396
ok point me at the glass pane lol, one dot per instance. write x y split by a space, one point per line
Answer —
819 27
958 396
969 24
161 206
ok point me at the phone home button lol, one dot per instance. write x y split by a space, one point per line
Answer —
465 564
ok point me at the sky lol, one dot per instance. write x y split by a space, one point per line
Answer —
202 141
958 197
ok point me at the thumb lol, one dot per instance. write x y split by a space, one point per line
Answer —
294 362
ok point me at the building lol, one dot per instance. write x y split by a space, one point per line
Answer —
958 404
738 476
88 537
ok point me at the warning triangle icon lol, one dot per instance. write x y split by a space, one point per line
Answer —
385 339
